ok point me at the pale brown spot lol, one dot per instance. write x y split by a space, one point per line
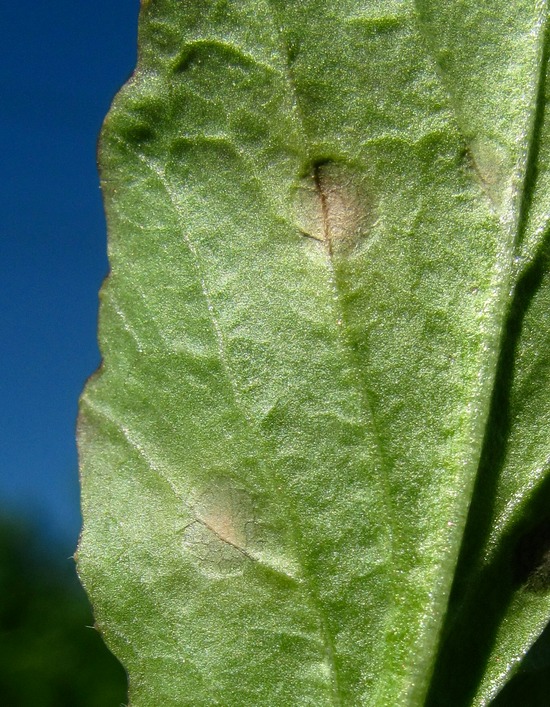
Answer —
332 209
224 533
490 163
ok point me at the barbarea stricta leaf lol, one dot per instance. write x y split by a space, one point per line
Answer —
325 342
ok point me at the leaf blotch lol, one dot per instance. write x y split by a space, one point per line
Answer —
488 162
225 532
333 208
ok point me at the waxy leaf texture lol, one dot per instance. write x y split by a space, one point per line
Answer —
315 458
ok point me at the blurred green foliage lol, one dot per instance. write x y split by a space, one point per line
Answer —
50 656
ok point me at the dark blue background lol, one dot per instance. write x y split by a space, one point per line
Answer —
61 64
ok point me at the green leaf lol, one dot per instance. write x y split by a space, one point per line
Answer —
325 354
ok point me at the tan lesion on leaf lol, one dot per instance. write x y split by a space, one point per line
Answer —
331 208
489 163
225 532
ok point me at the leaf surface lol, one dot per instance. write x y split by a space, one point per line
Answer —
327 234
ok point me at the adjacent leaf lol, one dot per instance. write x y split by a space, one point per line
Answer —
327 243
503 577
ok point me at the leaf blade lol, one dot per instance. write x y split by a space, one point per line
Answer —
344 281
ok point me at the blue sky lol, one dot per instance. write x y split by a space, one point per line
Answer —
61 64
